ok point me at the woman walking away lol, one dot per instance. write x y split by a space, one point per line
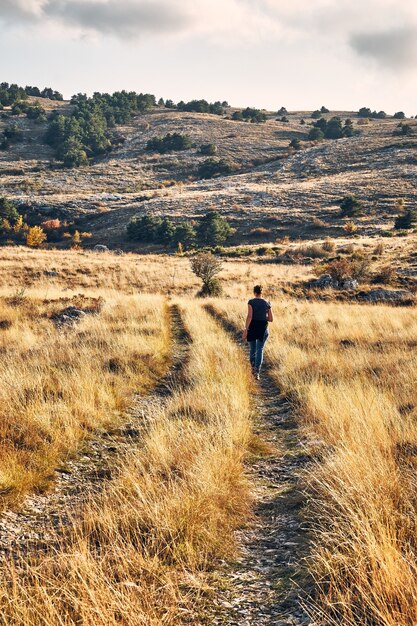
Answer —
256 328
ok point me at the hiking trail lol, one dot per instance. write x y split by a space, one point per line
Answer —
268 584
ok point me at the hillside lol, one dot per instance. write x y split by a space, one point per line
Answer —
273 187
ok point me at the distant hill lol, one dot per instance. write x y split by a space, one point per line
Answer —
271 189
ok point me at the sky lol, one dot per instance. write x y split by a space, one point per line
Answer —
300 54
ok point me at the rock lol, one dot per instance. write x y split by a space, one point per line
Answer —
100 248
387 295
349 283
69 316
324 281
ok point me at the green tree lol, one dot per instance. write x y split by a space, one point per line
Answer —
165 232
350 206
185 234
8 211
213 229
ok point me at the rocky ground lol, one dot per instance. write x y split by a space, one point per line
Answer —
283 191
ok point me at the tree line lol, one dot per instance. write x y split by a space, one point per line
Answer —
87 132
210 230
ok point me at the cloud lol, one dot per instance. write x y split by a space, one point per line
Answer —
396 48
224 21
12 11
122 18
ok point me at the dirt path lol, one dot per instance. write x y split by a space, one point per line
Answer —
34 525
268 584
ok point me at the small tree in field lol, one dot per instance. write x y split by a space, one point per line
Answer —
206 267
35 237
350 206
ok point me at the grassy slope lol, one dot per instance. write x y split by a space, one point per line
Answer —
286 195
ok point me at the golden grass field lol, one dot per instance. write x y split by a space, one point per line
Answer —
171 512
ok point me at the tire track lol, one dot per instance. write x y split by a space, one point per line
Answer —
35 524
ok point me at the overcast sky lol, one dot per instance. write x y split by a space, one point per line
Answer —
266 53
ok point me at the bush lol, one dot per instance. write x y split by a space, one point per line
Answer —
213 229
214 167
295 144
355 267
202 106
365 112
406 220
324 110
35 237
400 115
206 267
208 149
315 134
250 114
316 115
350 206
282 111
329 245
171 142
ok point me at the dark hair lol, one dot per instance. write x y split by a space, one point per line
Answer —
257 290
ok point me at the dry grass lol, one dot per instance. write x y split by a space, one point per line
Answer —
351 372
57 385
348 369
179 497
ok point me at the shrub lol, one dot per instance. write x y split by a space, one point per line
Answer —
315 134
355 267
214 167
400 115
350 228
316 115
324 110
365 112
206 267
171 142
208 149
35 237
237 116
295 144
329 245
202 106
350 206
250 114
386 274
406 220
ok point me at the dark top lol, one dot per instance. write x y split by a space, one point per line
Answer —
258 328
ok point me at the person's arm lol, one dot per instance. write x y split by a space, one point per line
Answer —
248 321
270 315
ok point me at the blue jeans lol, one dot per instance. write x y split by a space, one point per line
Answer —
256 355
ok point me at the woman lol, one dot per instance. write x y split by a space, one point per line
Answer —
256 328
